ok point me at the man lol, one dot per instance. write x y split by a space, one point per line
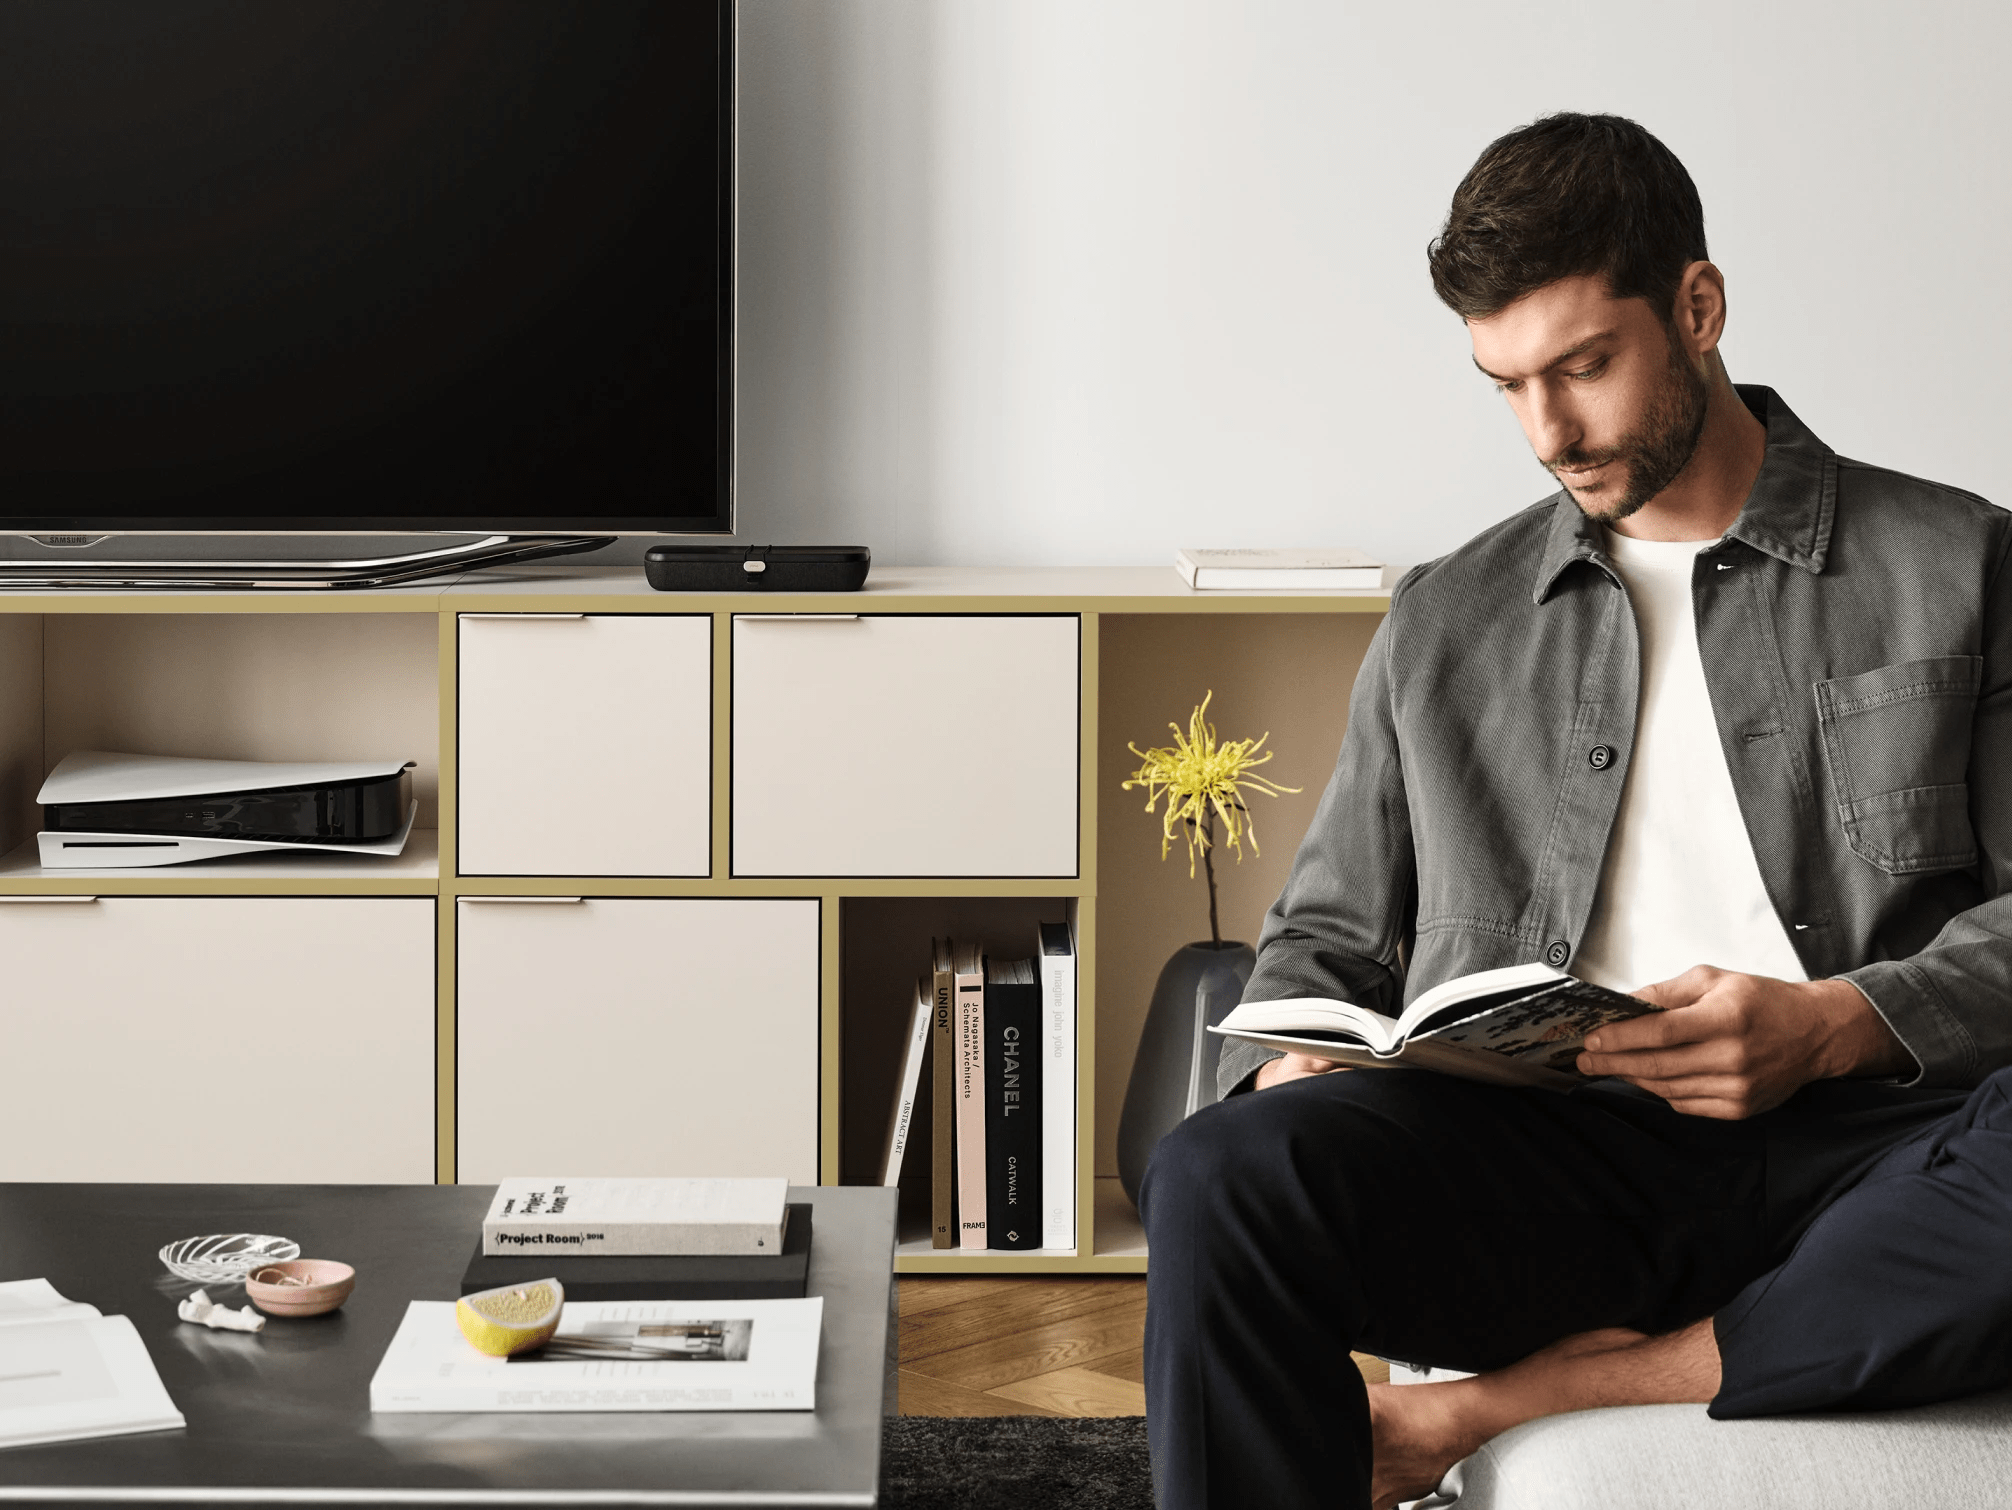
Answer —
1727 722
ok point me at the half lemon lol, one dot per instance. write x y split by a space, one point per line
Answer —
512 1319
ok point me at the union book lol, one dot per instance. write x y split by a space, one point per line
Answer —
1521 1025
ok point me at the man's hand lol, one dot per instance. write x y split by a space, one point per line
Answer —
1728 1045
1292 1067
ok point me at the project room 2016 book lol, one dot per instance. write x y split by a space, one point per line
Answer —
1521 1025
635 1216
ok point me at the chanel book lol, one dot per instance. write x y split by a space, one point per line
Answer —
1523 1025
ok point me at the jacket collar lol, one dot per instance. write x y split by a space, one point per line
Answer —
1787 515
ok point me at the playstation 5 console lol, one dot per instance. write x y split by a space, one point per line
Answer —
108 811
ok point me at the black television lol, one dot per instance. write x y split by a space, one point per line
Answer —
290 268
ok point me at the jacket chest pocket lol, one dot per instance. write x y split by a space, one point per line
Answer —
1897 741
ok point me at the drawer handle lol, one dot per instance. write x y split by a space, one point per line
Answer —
795 618
523 616
48 897
525 901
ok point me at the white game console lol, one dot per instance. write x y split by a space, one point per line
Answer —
108 811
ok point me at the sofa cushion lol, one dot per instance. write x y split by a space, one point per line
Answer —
1675 1457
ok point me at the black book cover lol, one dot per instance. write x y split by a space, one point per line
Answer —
1013 1113
672 1276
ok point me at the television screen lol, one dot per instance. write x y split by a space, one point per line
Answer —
365 265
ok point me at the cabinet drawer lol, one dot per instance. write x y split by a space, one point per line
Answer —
218 1039
906 745
637 1036
585 745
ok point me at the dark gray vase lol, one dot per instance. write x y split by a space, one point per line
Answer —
1174 1071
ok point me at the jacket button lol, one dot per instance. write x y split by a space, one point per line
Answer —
1600 757
1557 953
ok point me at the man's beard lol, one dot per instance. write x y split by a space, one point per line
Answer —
1659 448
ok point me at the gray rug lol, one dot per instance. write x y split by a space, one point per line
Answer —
1015 1463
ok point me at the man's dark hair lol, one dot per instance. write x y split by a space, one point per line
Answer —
1565 196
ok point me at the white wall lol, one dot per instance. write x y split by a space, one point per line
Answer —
1083 280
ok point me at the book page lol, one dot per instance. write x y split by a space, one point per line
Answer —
73 1378
1313 1016
1460 998
38 1300
1546 1028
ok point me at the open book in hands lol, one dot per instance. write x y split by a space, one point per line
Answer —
1523 1025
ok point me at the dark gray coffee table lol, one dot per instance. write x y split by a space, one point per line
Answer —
284 1417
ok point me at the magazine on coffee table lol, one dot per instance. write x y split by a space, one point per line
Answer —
613 1355
1522 1025
68 1373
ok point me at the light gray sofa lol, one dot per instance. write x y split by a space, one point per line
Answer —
1675 1457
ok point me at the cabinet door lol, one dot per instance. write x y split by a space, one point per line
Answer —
585 745
218 1039
637 1036
905 745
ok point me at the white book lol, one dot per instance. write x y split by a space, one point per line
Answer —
911 1080
726 1355
567 1215
38 1300
68 1373
968 960
1519 1025
1056 961
1262 567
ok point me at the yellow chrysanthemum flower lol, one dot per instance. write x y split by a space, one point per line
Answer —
1203 780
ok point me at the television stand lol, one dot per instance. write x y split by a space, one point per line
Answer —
361 572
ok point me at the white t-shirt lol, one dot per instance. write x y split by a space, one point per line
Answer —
1679 886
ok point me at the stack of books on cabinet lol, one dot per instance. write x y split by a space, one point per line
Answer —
996 1037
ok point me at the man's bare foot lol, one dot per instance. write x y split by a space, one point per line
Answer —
1418 1431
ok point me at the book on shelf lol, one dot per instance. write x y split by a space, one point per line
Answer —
613 1355
1057 965
1521 1025
914 1050
1261 567
943 1096
968 966
68 1372
635 1216
1012 1105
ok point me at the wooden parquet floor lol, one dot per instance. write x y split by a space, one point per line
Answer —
1028 1347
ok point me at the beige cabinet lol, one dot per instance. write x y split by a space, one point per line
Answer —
218 1039
637 1036
906 745
585 744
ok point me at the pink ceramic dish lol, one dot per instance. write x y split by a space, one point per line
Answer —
310 1286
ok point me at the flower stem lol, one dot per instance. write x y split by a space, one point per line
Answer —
1209 863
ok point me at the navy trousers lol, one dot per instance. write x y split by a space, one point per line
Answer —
1854 1248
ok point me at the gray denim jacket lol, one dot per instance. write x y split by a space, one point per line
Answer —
1856 631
